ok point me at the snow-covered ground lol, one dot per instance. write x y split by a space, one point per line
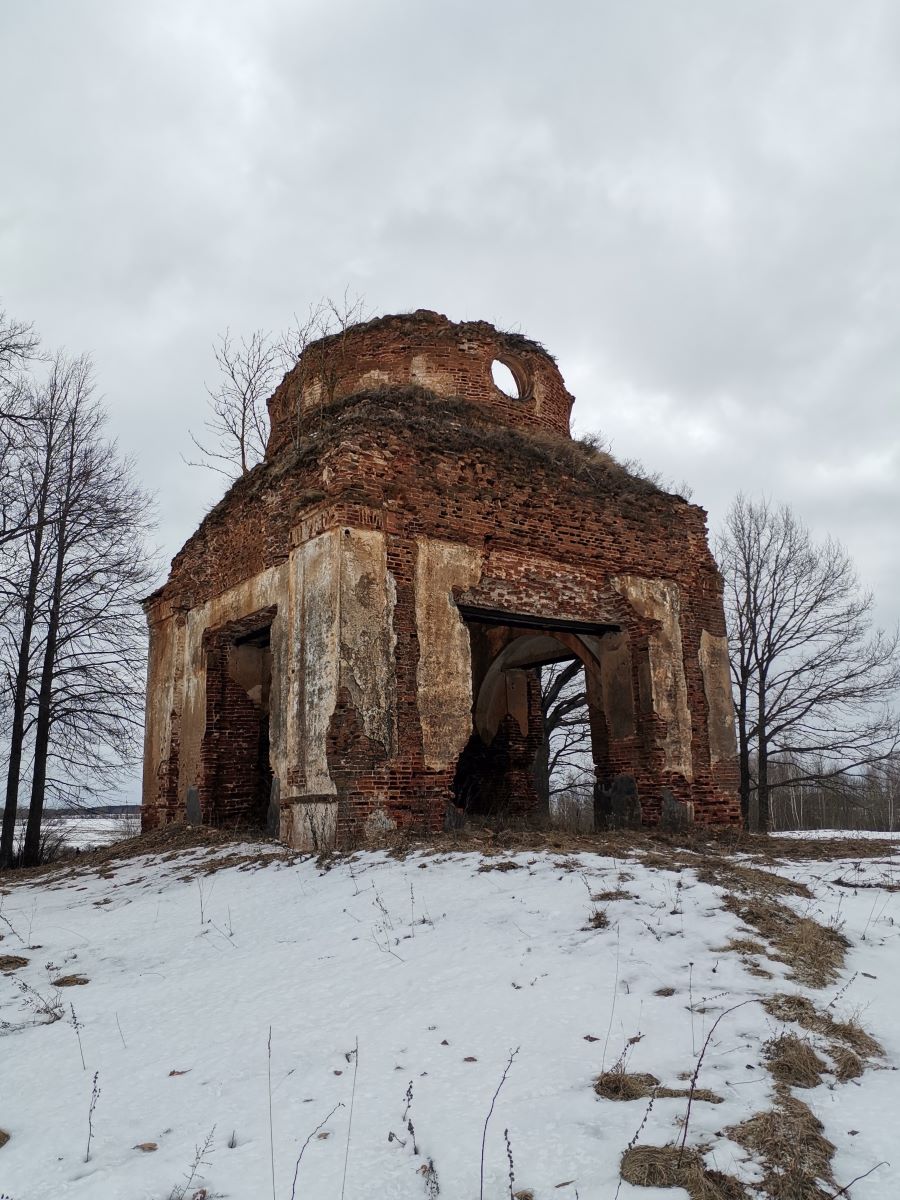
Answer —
215 999
861 835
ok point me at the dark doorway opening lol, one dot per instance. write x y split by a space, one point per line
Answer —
235 756
504 770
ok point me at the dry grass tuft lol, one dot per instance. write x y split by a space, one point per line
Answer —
743 946
664 991
801 1011
750 880
4 1138
598 920
753 968
792 1061
615 894
70 981
12 962
669 1167
789 1143
619 1084
749 950
504 864
814 952
847 1064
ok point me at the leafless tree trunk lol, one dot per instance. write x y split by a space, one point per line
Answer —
565 753
41 425
814 685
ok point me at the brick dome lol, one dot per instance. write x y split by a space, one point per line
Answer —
448 358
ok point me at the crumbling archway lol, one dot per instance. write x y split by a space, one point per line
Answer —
495 773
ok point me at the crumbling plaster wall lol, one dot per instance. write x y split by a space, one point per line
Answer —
332 630
269 590
444 670
716 667
660 600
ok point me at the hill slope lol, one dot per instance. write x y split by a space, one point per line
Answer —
438 967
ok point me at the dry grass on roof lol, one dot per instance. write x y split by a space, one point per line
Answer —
458 426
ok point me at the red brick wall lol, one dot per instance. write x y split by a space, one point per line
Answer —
501 475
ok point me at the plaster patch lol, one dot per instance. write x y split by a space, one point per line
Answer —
660 600
367 633
717 685
444 669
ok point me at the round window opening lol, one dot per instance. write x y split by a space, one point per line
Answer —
505 380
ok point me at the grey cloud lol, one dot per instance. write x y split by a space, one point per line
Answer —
692 205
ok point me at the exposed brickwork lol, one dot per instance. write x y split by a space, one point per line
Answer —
396 428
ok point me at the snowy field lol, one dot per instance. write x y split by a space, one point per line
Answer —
83 831
372 1007
860 835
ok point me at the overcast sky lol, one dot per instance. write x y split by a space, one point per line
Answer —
694 205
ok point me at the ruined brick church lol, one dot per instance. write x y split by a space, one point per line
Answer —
352 640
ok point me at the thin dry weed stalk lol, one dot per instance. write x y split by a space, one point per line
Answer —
76 1025
46 1009
350 1116
180 1190
271 1126
509 1063
95 1096
634 1138
612 1011
512 1168
692 1091
309 1138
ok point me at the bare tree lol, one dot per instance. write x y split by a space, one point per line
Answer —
19 344
24 566
237 428
323 331
89 697
73 638
814 684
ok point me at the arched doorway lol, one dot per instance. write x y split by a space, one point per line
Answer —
498 773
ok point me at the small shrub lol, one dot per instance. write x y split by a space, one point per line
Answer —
598 919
